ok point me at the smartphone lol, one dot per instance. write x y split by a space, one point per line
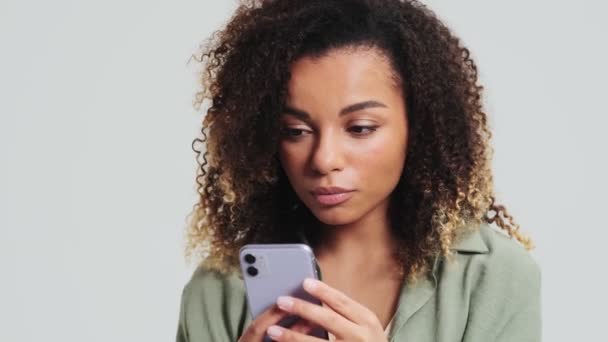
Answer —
273 270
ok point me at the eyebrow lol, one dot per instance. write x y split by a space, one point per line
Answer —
348 109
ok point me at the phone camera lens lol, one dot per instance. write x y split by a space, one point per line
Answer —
249 258
252 271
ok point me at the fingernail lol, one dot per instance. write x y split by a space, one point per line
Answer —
285 302
309 284
274 331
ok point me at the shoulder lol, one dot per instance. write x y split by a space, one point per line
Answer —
508 259
495 270
492 249
207 282
214 291
213 305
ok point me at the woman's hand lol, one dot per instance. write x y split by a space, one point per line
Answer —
345 318
256 331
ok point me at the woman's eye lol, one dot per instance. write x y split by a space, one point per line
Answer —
362 130
357 130
292 132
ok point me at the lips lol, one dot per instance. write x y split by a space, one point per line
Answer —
329 190
332 195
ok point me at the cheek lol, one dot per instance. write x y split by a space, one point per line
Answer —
292 157
380 164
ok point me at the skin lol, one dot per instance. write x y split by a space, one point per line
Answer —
362 150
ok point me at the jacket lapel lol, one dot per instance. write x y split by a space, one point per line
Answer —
414 296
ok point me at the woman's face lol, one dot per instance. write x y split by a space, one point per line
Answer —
344 125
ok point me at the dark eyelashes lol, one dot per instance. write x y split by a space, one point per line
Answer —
359 130
285 132
369 128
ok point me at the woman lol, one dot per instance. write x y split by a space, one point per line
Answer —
355 126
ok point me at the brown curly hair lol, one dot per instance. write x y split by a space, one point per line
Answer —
446 187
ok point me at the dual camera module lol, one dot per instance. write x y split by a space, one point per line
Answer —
251 270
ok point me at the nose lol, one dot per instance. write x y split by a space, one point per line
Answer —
327 155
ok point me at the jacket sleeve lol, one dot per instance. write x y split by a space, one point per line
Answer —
212 309
525 325
182 331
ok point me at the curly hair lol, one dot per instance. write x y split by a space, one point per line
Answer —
446 188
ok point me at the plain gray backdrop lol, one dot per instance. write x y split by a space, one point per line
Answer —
97 174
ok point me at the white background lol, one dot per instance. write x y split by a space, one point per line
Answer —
97 174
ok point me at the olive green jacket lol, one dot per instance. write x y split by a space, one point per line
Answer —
491 292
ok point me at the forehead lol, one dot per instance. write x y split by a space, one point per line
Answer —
342 73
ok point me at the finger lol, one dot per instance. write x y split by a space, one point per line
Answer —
340 302
278 333
257 328
317 314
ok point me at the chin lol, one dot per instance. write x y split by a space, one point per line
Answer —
333 216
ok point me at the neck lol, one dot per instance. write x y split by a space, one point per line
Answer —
367 241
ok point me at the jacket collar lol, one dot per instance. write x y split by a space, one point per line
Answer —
414 296
471 241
